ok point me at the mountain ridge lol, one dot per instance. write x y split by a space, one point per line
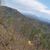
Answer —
17 31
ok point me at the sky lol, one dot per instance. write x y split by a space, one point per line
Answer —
40 8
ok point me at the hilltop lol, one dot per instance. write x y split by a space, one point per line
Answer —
17 31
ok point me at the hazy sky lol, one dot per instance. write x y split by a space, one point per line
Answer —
40 8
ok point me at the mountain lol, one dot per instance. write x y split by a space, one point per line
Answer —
19 32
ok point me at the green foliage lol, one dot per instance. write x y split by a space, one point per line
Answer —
43 40
33 33
1 21
10 20
45 43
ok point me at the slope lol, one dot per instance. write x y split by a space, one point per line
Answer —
18 32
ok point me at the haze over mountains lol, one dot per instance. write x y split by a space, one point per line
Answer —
43 17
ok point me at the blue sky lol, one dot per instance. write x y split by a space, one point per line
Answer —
40 8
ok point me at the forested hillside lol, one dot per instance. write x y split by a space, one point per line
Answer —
18 32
